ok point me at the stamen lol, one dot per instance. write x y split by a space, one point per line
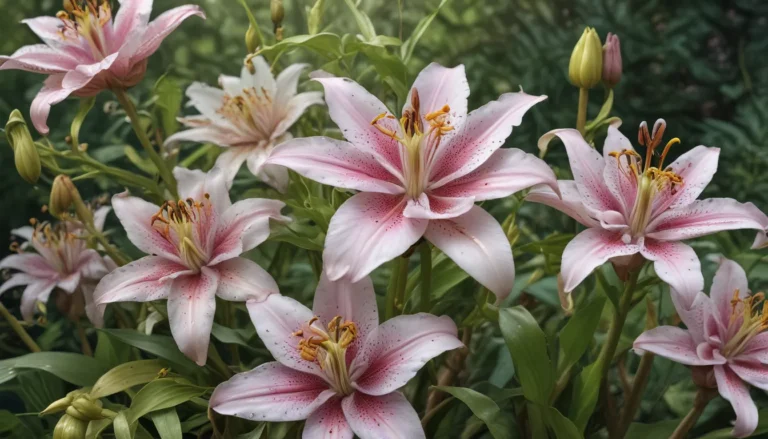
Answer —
673 141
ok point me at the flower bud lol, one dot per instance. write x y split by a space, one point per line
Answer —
61 197
24 149
252 41
277 11
611 61
315 17
586 67
70 427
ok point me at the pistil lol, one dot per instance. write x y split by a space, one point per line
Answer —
181 224
87 18
329 348
749 317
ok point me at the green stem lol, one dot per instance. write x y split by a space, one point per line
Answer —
116 255
85 345
393 290
617 324
703 396
20 331
426 277
229 322
192 158
133 115
581 118
636 394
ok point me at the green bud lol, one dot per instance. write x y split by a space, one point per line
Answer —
70 427
24 149
252 41
315 17
586 66
61 198
277 11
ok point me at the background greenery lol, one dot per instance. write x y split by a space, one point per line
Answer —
700 65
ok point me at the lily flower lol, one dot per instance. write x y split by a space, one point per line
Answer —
418 175
61 259
726 337
194 246
336 366
636 210
85 51
249 116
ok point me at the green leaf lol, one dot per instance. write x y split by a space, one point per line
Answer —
126 376
233 336
326 44
484 408
74 131
77 369
8 421
576 335
168 99
585 391
406 51
167 423
560 425
161 394
363 22
255 433
638 430
160 345
122 427
96 427
528 346
145 164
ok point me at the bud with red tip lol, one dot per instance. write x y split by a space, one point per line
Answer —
611 61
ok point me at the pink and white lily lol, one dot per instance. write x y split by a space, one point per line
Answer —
726 336
418 175
336 366
61 259
248 116
194 246
634 209
85 51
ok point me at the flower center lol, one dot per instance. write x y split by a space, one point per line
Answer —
749 317
87 18
57 245
182 224
419 145
329 348
651 180
250 112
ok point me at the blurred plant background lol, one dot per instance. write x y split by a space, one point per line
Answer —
700 65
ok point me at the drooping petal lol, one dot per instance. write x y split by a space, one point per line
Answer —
208 101
196 184
589 250
484 132
732 388
439 86
755 374
135 215
328 422
353 109
275 176
39 58
477 244
368 230
673 343
377 417
161 27
30 263
133 14
95 313
569 202
294 108
144 280
231 160
699 316
676 264
335 163
33 293
396 351
270 392
276 319
618 176
588 167
436 207
244 226
696 167
100 217
704 217
354 302
52 93
507 171
191 306
243 280
16 280
729 277
83 74
222 136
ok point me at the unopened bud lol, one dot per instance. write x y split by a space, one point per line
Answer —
70 427
24 149
61 197
566 299
252 41
315 17
586 66
611 61
278 12
83 212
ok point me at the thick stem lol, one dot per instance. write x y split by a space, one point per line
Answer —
133 115
18 329
426 277
85 345
397 282
703 396
632 403
617 324
450 370
229 321
581 118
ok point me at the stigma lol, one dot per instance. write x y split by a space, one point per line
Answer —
419 142
749 317
86 18
183 224
328 347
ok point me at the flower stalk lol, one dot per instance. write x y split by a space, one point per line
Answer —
426 277
581 116
703 397
18 329
397 284
617 324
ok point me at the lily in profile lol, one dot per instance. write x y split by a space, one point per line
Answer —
86 51
419 175
726 343
194 246
637 210
248 116
336 366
